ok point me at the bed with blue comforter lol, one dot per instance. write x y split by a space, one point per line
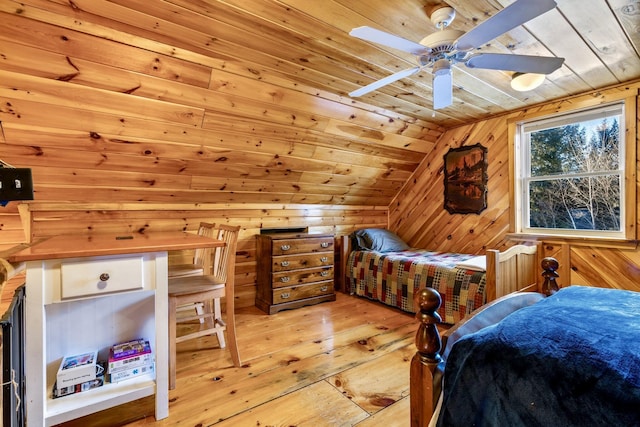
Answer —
572 359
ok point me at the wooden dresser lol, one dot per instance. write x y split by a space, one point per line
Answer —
294 270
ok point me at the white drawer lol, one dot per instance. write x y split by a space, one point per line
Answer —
94 277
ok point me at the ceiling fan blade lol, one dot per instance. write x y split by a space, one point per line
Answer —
518 63
442 89
517 13
383 82
386 39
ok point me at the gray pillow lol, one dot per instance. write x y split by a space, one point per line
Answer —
378 239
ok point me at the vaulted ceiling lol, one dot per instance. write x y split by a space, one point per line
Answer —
307 43
210 101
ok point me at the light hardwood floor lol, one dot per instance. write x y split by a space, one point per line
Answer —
342 363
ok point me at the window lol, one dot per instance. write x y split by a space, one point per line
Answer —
570 174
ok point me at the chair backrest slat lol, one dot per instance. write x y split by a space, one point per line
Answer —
224 258
201 256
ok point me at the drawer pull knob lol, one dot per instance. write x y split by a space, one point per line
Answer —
285 295
324 244
324 289
285 263
324 273
324 259
285 279
285 247
104 277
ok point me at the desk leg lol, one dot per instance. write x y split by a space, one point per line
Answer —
35 346
162 337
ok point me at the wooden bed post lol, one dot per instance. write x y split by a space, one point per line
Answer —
427 358
345 249
549 265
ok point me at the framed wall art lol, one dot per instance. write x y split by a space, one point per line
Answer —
465 179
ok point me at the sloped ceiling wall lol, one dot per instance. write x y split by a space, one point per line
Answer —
418 213
103 111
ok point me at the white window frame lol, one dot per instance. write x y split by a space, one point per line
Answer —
520 157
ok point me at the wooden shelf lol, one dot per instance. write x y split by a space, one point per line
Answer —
109 395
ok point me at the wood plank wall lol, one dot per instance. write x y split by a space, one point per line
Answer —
50 219
417 213
89 99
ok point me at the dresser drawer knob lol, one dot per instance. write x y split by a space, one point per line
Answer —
285 247
324 244
104 277
324 289
324 273
284 263
324 259
285 279
285 295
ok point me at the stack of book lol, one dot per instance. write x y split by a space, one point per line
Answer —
129 360
79 373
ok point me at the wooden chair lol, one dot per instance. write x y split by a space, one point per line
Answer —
201 257
210 289
201 263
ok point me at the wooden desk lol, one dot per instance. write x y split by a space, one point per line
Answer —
87 293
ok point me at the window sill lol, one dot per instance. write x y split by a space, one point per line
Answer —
575 241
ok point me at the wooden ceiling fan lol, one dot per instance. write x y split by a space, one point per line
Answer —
446 47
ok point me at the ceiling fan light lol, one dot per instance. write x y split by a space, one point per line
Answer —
523 82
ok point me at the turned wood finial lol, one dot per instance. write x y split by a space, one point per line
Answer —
549 265
424 363
428 341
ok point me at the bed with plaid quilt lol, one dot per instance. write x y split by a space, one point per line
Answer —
393 278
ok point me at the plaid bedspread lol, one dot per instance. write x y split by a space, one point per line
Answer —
394 277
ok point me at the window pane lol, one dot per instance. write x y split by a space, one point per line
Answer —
571 173
586 203
583 147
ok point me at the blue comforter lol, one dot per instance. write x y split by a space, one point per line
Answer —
572 359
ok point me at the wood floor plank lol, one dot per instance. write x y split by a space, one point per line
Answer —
378 383
396 415
320 404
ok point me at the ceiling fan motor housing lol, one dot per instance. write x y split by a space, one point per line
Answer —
441 43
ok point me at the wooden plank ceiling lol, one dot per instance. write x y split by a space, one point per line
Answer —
245 101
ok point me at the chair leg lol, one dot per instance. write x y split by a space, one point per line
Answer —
217 318
200 311
231 330
172 342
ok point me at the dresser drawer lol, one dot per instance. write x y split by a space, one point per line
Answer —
301 246
294 293
297 277
294 262
92 277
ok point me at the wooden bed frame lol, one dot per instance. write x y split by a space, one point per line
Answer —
515 269
427 365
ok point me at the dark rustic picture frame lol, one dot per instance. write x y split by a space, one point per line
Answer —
465 179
